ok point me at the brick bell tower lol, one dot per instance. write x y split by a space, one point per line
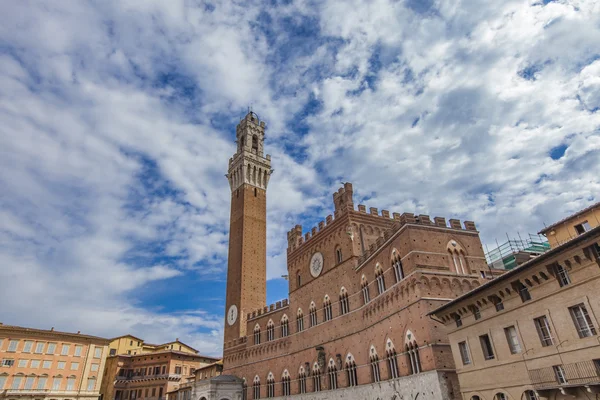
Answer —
248 175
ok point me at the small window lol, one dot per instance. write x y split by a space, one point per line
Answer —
583 227
476 312
512 339
74 366
78 350
62 364
23 363
7 362
464 353
559 373
299 279
523 291
562 275
12 345
583 322
530 395
500 396
28 346
338 255
64 350
47 364
544 331
457 320
486 346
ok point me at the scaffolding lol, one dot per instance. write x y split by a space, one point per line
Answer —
515 251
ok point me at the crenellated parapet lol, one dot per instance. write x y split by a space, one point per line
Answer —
411 219
268 309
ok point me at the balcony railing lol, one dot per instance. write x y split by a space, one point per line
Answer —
27 392
576 374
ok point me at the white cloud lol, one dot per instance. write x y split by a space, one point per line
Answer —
117 123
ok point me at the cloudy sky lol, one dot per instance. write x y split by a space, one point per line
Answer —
117 120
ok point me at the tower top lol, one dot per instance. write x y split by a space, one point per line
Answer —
249 165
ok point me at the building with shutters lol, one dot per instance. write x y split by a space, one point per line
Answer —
38 364
532 333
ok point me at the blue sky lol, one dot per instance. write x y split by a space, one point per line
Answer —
117 121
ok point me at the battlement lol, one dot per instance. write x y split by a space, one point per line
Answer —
267 309
409 218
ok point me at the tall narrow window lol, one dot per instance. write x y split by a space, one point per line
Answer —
397 265
327 308
313 315
375 372
476 312
512 339
380 279
414 360
285 383
562 276
486 347
91 384
284 326
257 334
256 388
39 348
27 346
270 386
344 305
302 381
71 383
338 255
583 322
351 371
559 373
51 348
464 353
392 360
300 320
530 395
332 374
41 385
270 331
457 320
56 383
365 290
2 381
64 350
299 278
316 378
543 328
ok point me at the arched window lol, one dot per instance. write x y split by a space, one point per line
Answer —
397 265
380 279
392 360
414 361
270 331
41 385
270 385
284 326
257 334
302 380
338 254
326 308
457 257
365 289
475 398
285 383
313 314
256 387
351 370
300 320
344 304
530 395
254 142
500 396
316 373
375 373
244 389
332 374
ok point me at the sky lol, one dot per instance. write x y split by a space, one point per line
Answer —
117 120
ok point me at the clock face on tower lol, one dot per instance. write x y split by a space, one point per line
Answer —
316 264
232 315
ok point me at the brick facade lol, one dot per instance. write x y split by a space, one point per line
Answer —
416 263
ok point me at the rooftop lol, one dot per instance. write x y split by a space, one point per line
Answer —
51 331
562 221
